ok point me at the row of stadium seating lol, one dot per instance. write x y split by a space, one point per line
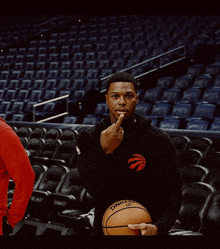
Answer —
67 202
59 201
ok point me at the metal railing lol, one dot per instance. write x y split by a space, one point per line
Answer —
152 59
49 101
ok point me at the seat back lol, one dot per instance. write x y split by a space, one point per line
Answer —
195 195
194 173
52 178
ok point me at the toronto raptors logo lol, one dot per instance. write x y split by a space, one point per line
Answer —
137 161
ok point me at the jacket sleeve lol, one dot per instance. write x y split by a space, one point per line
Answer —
20 170
93 164
169 187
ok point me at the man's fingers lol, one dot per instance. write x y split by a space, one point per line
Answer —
118 123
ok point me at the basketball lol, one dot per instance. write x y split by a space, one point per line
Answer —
117 217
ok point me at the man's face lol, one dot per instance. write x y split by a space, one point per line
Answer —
121 98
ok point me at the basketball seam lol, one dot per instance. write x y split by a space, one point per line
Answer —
117 212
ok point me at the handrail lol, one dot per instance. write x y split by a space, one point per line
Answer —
49 101
151 59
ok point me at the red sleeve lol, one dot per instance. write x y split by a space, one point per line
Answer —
20 170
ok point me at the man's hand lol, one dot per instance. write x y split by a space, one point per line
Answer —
146 229
112 136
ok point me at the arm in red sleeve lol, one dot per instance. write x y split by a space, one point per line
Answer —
19 169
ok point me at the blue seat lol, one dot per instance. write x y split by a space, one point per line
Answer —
66 73
22 95
50 84
143 109
205 110
93 73
27 84
215 126
53 74
202 81
78 84
171 95
211 96
14 84
153 94
184 82
196 69
2 92
161 110
36 95
9 95
213 69
182 110
17 107
101 109
192 95
165 82
91 119
197 124
3 84
170 123
72 120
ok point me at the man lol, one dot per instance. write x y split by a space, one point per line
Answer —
126 157
14 164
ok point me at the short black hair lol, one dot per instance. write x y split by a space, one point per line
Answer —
122 77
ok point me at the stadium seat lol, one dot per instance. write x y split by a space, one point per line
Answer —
183 82
161 110
215 126
213 69
14 84
201 143
189 157
39 204
205 110
197 124
196 69
72 120
182 110
143 109
170 123
68 135
153 94
171 95
91 119
46 151
38 132
192 95
165 82
22 95
212 96
24 131
36 95
39 171
9 95
210 226
65 154
53 133
68 196
211 160
181 143
202 82
194 173
214 179
33 145
17 107
195 196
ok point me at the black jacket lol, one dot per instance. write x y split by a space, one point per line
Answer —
110 178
